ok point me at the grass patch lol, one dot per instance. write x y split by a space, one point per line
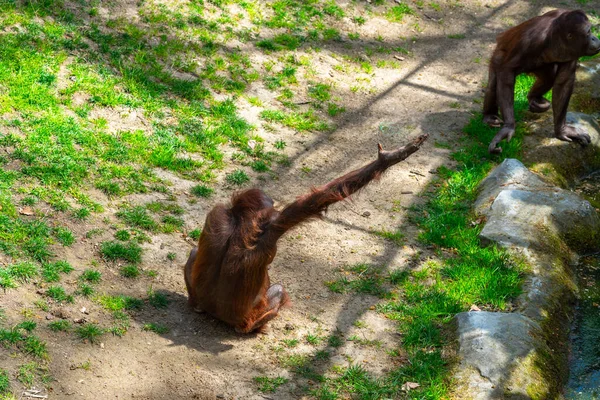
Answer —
59 294
360 278
4 382
51 272
156 328
157 299
269 385
64 236
195 234
202 191
89 332
138 217
398 12
21 337
27 373
396 237
122 235
7 281
171 224
129 271
120 303
129 252
290 342
91 276
237 177
300 121
59 326
23 271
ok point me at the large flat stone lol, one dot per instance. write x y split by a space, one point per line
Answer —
525 212
494 351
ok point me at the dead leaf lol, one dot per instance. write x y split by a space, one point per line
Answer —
26 210
474 308
410 385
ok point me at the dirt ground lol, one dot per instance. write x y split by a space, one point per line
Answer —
435 92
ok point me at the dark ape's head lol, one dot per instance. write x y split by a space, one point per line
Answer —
577 30
250 201
251 211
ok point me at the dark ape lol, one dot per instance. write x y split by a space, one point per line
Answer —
227 274
548 47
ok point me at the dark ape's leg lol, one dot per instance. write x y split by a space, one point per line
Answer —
561 94
276 298
187 275
490 102
544 81
506 101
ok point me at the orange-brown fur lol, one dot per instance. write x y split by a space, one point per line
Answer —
227 274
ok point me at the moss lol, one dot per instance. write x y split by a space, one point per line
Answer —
583 240
585 102
538 389
550 174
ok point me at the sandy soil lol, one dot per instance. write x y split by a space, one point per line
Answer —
437 89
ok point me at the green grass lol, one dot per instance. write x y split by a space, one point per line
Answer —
129 271
59 326
129 252
396 237
64 236
21 337
195 234
89 332
313 339
300 121
27 373
122 235
157 299
171 224
290 342
335 341
85 289
269 385
91 276
237 177
320 92
51 272
23 271
7 281
119 302
28 326
362 278
201 191
4 382
398 12
138 217
59 294
156 328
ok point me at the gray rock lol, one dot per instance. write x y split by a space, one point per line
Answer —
528 213
511 174
494 349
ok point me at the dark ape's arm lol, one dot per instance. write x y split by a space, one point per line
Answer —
561 94
314 203
505 81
